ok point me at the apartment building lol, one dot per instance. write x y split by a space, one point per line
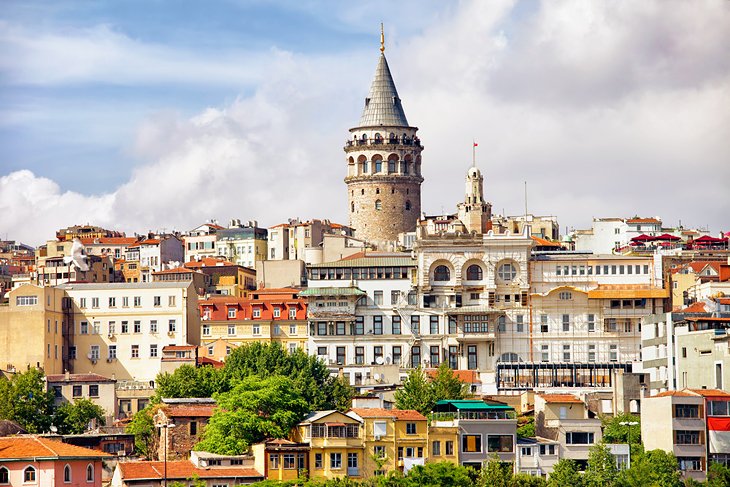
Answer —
289 241
565 419
199 242
224 277
98 389
536 456
32 329
336 444
267 315
398 438
693 424
242 244
119 329
607 234
154 254
484 429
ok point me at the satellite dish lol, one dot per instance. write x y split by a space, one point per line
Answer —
54 429
379 361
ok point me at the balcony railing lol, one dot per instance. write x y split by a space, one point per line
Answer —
474 415
407 141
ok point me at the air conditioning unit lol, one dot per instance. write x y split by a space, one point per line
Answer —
93 361
110 360
89 356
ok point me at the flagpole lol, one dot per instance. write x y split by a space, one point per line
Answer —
473 153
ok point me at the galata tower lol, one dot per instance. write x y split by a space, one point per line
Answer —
383 164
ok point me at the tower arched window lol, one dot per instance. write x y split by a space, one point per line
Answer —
441 273
474 273
377 165
67 474
378 205
377 190
392 162
29 474
378 139
408 205
90 473
392 138
4 476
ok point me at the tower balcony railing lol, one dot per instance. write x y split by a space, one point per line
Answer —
406 141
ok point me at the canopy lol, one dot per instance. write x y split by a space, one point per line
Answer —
708 239
643 238
666 236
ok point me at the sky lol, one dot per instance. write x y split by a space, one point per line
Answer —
159 115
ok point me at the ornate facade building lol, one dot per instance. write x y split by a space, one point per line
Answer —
383 165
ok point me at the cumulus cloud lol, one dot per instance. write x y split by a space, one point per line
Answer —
606 109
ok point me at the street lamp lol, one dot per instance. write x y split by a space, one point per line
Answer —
629 424
166 426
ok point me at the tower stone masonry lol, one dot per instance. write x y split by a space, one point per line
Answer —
383 165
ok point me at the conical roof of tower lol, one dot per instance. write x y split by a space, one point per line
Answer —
383 106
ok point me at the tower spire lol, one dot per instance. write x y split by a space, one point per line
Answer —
382 38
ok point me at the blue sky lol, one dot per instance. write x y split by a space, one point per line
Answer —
140 115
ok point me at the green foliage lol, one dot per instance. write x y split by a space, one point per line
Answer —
565 472
527 430
652 468
74 418
190 381
142 427
601 470
342 394
615 432
718 475
438 474
416 393
495 473
25 400
255 409
445 384
525 480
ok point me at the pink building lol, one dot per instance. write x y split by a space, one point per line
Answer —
32 461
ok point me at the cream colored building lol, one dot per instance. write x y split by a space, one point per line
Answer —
119 329
98 389
244 245
32 329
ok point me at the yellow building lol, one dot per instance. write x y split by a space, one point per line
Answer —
226 278
393 439
336 444
443 444
32 329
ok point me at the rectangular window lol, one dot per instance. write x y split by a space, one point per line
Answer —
82 301
77 392
396 325
256 329
288 461
434 325
578 438
410 428
684 437
502 324
340 325
415 324
613 353
93 390
359 355
277 312
500 443
171 326
545 353
397 354
138 327
591 322
472 357
137 301
566 353
434 355
153 350
686 411
566 322
72 352
321 328
231 330
591 353
95 352
112 302
543 324
135 351
436 448
112 328
453 356
471 443
415 356
153 326
378 353
520 325
292 329
95 327
94 302
84 329
335 460
452 325
292 313
691 464
231 312
449 447
33 300
318 460
257 312
378 298
112 351
377 325
156 301
340 355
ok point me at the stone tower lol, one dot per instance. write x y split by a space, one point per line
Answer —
383 165
474 212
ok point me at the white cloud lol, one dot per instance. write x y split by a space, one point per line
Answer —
606 109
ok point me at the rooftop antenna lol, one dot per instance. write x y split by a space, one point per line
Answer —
382 39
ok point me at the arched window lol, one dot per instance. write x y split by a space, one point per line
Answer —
4 476
90 473
506 272
392 138
378 138
474 273
441 273
377 164
392 164
29 474
408 205
378 205
509 357
67 474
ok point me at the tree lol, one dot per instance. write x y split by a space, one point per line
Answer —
142 427
495 473
655 467
27 402
527 430
342 394
74 418
718 475
190 381
416 393
255 409
525 480
615 432
601 470
445 384
438 474
565 472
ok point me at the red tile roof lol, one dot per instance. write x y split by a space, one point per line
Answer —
465 376
401 414
149 241
178 348
109 240
560 398
208 262
78 378
35 447
197 411
182 470
674 393
642 220
695 308
176 270
710 392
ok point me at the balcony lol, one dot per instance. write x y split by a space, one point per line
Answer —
391 143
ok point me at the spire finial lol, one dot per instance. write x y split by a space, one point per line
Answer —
382 38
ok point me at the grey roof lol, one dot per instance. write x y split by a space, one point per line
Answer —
383 106
332 291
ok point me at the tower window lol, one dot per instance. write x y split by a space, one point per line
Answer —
378 165
378 205
352 207
362 191
408 191
377 190
391 166
408 205
392 190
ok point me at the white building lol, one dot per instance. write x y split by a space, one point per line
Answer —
200 241
607 234
118 329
